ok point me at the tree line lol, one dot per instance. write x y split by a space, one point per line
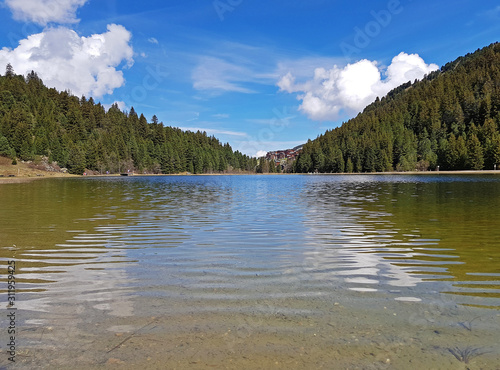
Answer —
82 135
450 119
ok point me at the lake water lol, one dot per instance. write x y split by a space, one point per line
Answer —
258 272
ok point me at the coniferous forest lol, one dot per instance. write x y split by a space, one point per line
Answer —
450 119
81 135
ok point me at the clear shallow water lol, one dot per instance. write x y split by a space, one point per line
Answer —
255 271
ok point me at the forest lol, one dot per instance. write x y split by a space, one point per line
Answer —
450 120
82 135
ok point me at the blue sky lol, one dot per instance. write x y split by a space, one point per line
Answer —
261 76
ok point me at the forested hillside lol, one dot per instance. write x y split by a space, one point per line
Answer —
81 135
450 119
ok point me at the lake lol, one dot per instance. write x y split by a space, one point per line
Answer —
258 272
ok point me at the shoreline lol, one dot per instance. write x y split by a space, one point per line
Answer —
38 176
458 172
28 178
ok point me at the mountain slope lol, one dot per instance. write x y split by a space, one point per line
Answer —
81 135
450 119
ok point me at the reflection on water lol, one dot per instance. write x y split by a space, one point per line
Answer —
409 232
275 258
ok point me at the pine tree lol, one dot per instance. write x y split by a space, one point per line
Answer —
9 71
475 159
349 166
5 149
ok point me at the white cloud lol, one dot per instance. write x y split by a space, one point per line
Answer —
153 40
260 153
64 60
348 90
45 11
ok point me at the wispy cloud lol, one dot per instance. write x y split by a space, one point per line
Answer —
269 121
195 118
234 67
153 40
220 115
212 131
493 13
220 76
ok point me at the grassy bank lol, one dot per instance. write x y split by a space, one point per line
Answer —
25 171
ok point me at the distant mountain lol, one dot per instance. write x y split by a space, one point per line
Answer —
450 119
289 154
81 135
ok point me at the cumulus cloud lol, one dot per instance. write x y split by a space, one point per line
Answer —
337 91
45 11
64 60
